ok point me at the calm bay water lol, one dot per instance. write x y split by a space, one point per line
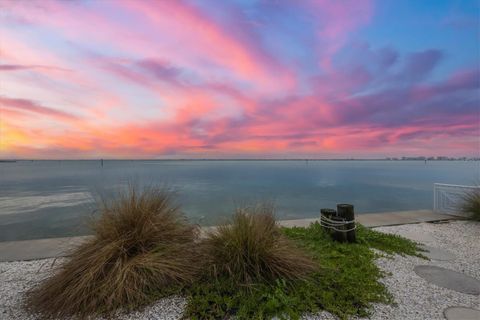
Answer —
41 199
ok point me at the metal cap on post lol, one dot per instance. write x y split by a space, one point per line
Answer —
346 211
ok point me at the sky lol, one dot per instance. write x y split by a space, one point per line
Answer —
239 78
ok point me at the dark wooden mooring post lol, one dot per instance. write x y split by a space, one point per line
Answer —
346 211
328 213
338 235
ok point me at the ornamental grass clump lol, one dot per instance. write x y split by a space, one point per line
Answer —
142 246
252 249
471 204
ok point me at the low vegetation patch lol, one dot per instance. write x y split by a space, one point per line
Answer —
252 249
471 204
142 247
388 243
345 281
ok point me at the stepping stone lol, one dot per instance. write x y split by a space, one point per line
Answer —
449 279
461 313
437 254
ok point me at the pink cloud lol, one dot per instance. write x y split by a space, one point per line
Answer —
31 106
150 79
336 21
201 36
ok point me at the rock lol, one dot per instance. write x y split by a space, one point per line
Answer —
449 279
438 254
461 313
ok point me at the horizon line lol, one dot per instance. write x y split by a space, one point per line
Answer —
402 158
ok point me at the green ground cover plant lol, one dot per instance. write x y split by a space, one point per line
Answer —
143 248
345 282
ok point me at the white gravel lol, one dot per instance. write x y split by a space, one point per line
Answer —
415 297
18 277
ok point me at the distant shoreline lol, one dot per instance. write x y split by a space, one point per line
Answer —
247 159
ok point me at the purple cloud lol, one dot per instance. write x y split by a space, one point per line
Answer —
16 67
420 64
32 106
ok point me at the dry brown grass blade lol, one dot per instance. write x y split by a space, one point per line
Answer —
142 245
471 203
252 249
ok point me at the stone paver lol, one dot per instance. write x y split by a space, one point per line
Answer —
449 279
461 313
438 254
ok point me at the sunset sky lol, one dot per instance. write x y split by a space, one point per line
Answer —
239 78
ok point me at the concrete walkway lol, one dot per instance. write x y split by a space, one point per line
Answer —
372 220
38 248
59 247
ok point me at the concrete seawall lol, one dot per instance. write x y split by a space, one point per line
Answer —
59 247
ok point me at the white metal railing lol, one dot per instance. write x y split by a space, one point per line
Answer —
447 198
